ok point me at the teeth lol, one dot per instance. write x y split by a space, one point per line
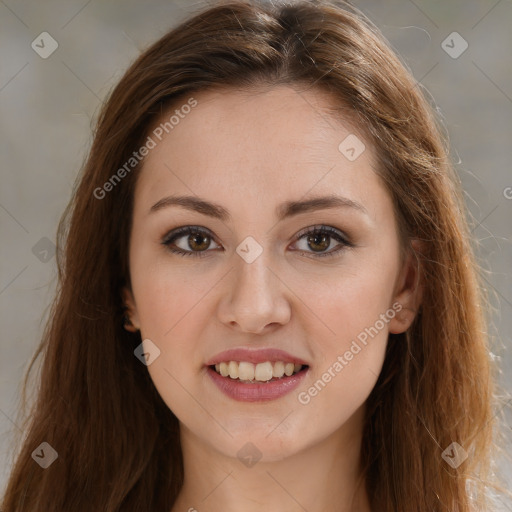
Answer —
233 370
245 371
278 371
224 370
262 372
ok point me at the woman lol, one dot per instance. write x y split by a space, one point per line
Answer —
268 298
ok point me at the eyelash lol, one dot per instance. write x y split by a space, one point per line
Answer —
314 230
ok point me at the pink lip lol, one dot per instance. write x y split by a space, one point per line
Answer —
256 392
255 356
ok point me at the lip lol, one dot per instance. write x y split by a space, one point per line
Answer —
256 392
255 356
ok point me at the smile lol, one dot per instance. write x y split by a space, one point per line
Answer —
252 375
261 372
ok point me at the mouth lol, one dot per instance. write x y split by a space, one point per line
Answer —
251 373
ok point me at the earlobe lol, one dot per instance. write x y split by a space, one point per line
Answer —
130 319
409 290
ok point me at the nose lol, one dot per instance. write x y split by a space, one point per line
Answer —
256 301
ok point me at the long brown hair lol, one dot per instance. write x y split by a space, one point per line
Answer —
117 441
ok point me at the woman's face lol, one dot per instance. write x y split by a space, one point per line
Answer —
251 278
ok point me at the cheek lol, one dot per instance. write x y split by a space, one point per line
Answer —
350 358
356 310
167 295
351 299
170 315
169 311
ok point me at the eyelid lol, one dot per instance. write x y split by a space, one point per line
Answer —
182 231
324 228
333 233
185 230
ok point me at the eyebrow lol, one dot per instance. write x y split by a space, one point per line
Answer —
283 211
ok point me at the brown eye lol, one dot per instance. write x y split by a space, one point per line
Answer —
320 238
188 241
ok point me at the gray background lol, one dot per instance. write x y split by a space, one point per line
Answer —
46 108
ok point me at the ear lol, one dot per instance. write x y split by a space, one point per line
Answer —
408 291
132 324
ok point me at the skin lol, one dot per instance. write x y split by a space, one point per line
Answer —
249 152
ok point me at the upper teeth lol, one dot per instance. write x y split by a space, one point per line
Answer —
262 371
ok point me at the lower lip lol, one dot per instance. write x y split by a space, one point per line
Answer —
260 392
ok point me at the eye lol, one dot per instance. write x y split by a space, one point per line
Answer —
320 238
198 240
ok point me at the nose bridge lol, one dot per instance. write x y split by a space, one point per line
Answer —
255 297
253 281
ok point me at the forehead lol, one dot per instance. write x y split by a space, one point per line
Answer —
270 142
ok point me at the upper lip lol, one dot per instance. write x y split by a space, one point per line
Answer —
255 356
